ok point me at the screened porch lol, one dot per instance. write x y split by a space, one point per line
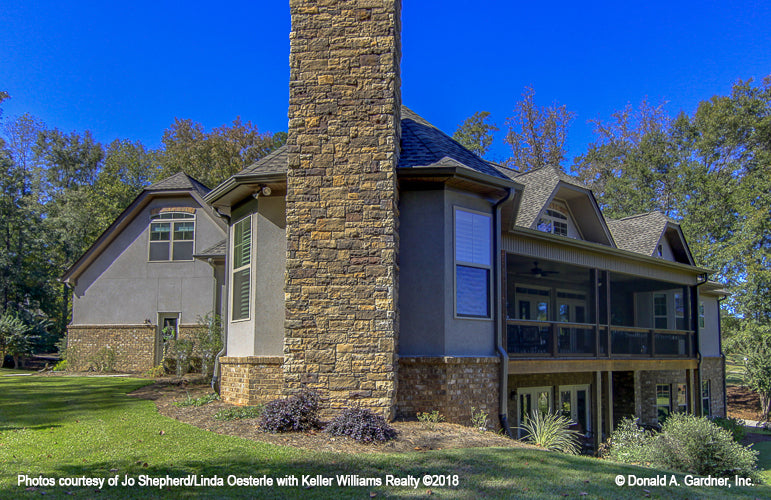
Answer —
560 310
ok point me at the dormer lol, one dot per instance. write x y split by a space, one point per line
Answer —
555 203
652 234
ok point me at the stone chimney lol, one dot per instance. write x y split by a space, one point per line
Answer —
342 201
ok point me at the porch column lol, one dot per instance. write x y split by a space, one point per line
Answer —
609 424
637 395
597 410
689 389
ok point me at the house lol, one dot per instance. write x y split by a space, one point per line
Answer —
377 261
159 266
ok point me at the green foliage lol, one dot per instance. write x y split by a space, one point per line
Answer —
479 419
733 425
551 431
430 419
537 135
15 338
753 343
61 366
239 412
203 400
181 351
476 133
629 443
155 372
103 360
686 443
208 339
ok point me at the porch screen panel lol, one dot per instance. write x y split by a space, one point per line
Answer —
473 243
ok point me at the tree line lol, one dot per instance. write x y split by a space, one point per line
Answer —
61 190
710 171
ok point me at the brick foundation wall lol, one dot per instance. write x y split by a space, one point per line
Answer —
251 380
712 370
134 345
645 387
341 326
451 385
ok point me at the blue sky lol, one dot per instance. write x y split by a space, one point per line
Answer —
126 69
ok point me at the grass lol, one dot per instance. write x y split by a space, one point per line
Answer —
61 427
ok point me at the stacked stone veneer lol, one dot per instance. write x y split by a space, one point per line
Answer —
341 327
134 345
712 370
251 380
451 385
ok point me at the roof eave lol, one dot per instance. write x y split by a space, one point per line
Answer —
217 194
458 172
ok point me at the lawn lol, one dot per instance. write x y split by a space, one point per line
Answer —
75 427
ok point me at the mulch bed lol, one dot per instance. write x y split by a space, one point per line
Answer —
412 436
743 403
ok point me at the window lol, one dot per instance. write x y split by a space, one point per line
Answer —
701 314
660 311
706 411
473 243
575 404
660 251
679 311
242 267
682 398
172 236
554 221
663 401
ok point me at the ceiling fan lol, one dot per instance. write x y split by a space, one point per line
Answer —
537 272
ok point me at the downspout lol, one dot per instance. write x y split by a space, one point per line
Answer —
503 411
216 376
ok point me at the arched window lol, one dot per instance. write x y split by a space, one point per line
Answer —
172 235
554 220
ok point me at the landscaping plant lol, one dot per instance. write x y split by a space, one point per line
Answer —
430 419
238 412
361 424
552 431
295 413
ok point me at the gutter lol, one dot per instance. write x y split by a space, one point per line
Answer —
698 344
720 346
503 410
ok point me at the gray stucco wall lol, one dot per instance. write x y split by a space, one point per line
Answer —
709 336
464 336
270 265
120 287
263 333
421 273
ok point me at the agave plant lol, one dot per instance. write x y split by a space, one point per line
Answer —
551 431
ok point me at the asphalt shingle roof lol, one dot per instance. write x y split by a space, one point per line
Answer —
216 250
639 233
180 180
422 145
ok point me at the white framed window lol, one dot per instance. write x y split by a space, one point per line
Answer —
706 396
172 236
473 259
242 269
557 219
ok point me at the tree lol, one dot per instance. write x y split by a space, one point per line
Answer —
753 344
476 133
536 134
212 157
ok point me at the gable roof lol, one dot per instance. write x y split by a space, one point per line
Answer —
174 185
179 181
641 233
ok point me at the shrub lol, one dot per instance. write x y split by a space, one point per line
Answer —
103 360
155 372
478 419
695 444
61 366
733 425
208 338
551 431
295 413
203 400
685 444
429 420
629 443
238 413
362 425
180 350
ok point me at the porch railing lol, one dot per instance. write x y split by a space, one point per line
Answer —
559 339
